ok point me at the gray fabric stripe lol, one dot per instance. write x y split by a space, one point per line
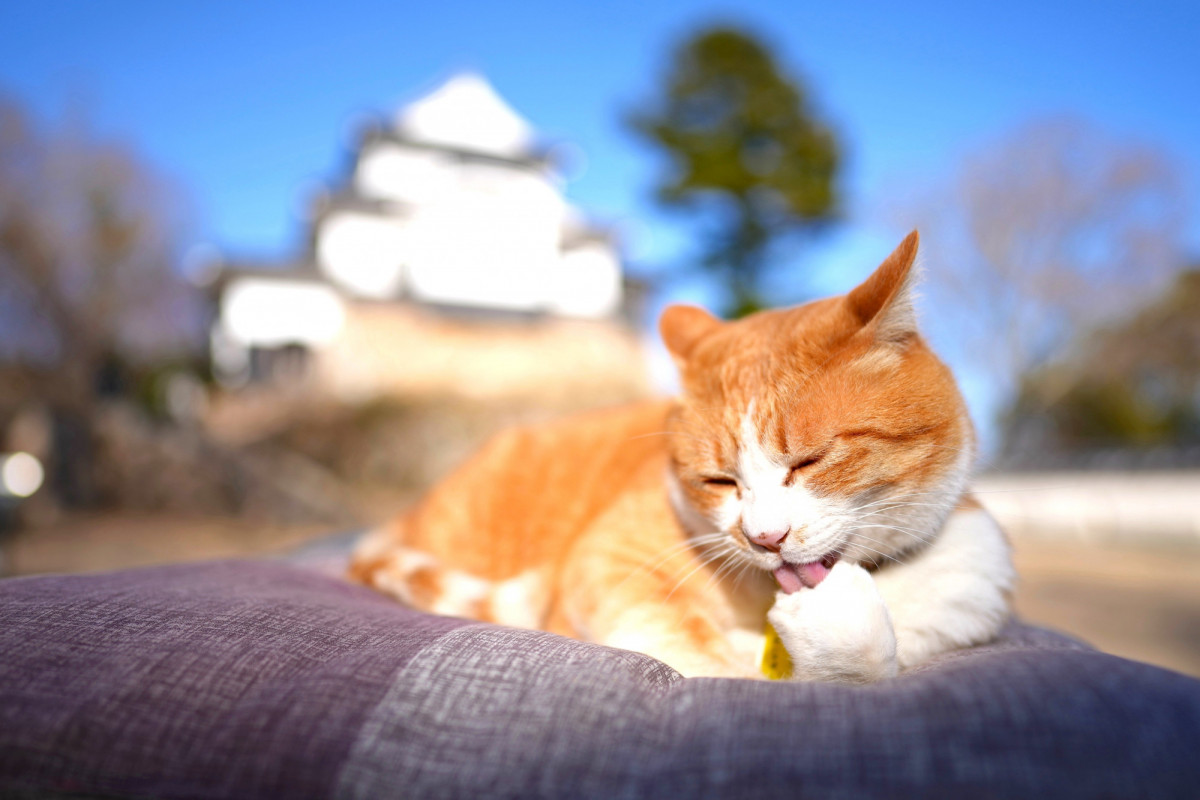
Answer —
436 727
492 712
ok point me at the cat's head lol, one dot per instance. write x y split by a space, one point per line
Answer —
825 431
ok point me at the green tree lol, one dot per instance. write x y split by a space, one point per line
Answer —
746 154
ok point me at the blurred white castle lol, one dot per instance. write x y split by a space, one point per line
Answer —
446 253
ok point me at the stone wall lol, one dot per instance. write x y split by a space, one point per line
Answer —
406 350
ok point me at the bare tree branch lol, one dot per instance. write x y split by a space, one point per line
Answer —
1048 232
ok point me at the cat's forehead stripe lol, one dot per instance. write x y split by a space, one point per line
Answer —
764 424
748 429
781 434
753 458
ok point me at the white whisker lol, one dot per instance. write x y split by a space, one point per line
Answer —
701 543
923 535
703 563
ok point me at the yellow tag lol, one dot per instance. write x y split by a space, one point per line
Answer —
776 663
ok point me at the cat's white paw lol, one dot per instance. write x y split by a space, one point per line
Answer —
838 631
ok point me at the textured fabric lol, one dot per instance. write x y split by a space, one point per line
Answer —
220 680
523 712
248 680
497 713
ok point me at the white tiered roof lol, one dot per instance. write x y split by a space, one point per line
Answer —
457 210
466 113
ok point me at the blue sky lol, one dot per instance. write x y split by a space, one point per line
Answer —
247 105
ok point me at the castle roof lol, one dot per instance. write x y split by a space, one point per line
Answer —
466 113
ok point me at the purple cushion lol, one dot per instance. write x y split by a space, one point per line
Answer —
253 679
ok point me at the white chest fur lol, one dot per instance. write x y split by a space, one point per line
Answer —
951 594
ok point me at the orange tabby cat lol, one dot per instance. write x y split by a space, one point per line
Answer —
812 474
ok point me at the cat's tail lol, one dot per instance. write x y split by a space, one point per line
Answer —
421 581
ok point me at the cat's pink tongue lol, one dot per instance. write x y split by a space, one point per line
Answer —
794 577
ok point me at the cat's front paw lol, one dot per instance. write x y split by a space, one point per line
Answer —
838 631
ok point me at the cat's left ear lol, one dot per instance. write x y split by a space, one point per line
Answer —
682 327
884 301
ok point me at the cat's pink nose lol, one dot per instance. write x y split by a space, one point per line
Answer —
768 539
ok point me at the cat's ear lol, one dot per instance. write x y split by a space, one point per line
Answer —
884 301
683 326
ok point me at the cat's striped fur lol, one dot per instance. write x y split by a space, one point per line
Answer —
813 471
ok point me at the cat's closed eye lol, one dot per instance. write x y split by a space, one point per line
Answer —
719 481
800 465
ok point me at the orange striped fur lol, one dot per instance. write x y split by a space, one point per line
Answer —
633 527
